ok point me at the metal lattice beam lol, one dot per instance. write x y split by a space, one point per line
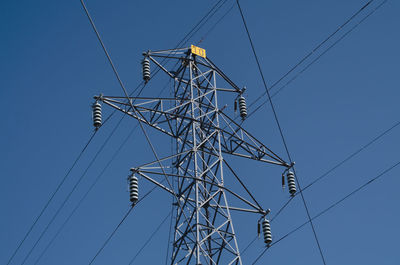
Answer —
204 231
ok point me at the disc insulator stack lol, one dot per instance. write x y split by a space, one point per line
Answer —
146 69
96 114
267 231
133 189
242 107
291 183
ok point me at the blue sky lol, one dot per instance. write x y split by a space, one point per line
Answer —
52 65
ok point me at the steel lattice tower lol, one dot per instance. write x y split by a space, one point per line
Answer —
194 175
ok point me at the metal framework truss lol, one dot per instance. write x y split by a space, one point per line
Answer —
194 175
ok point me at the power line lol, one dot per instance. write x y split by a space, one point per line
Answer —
150 237
280 131
97 178
319 45
349 157
172 198
103 46
51 198
357 151
77 184
214 10
352 155
331 207
215 24
317 58
202 22
264 82
308 55
316 48
112 234
330 47
79 180
59 186
62 182
119 224
169 234
195 29
86 194
249 244
71 191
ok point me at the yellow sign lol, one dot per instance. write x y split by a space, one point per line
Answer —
198 51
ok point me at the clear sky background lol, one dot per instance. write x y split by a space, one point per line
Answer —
52 65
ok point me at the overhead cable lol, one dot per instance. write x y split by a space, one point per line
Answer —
85 195
119 224
216 23
315 49
352 155
280 131
316 59
150 238
331 207
51 197
112 234
349 157
71 192
93 183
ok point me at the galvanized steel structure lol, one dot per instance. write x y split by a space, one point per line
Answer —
194 175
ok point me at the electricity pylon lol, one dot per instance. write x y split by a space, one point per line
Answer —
194 175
